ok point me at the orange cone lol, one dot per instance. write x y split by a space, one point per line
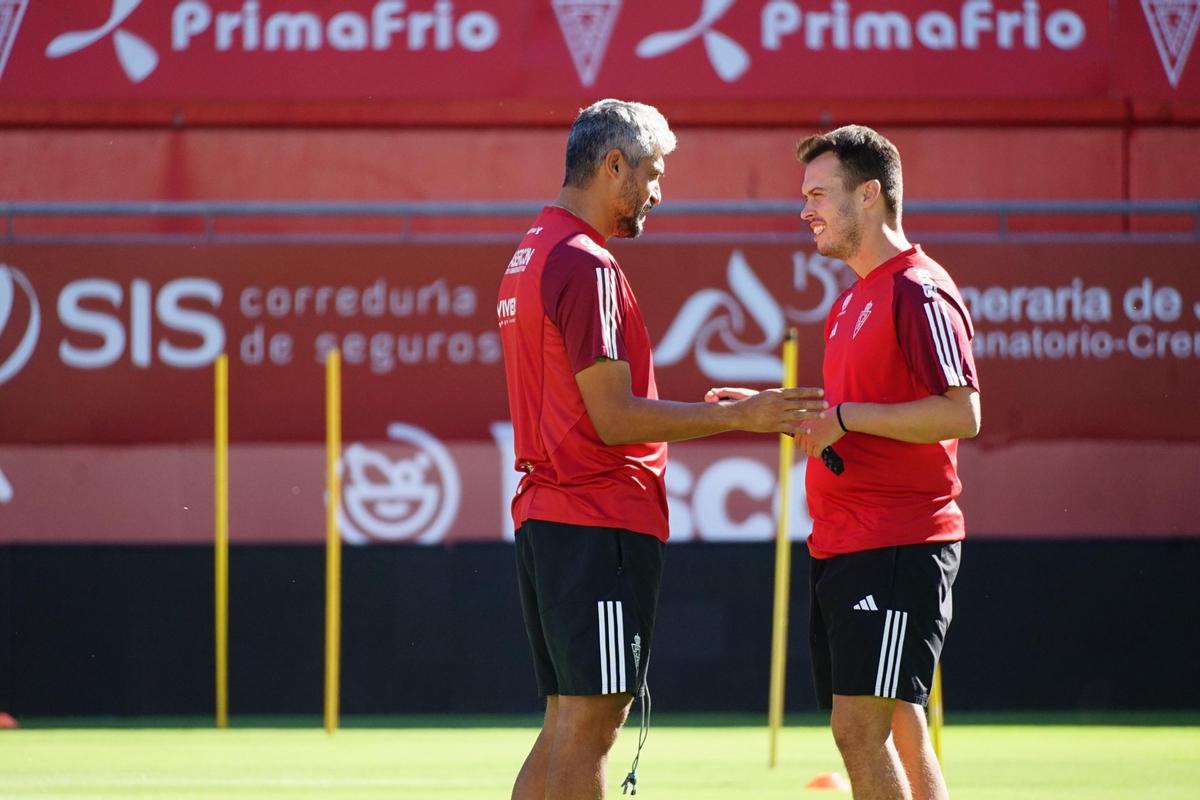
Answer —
829 780
7 721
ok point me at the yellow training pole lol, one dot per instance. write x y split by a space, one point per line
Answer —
783 562
333 541
221 560
936 715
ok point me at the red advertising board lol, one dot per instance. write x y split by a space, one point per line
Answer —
113 343
411 488
496 58
1089 356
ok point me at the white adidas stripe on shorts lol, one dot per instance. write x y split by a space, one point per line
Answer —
887 677
612 646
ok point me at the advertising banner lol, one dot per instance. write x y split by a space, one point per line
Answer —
1089 356
114 343
544 52
413 488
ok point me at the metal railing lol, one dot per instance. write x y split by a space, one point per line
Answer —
405 212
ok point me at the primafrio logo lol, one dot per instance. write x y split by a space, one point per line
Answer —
713 323
586 26
12 279
1173 24
728 58
249 28
11 13
135 55
842 26
408 493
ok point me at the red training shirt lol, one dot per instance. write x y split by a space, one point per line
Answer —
564 303
900 334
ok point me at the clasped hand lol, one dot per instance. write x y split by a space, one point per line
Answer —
789 411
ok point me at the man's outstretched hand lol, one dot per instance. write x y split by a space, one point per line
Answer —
772 410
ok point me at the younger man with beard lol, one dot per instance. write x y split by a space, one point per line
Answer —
903 389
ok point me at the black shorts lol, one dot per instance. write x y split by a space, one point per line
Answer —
878 620
588 596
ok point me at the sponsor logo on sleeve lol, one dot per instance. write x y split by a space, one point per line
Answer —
928 285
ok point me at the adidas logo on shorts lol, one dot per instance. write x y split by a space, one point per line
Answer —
866 604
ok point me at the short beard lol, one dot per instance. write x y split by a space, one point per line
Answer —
630 219
847 247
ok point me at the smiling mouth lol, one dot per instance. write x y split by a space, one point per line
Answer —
818 229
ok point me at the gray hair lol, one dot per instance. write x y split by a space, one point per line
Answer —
636 129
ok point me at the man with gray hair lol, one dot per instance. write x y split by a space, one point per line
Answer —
590 512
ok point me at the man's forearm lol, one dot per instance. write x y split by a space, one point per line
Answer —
643 420
621 417
925 421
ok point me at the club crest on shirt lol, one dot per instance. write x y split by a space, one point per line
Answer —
862 318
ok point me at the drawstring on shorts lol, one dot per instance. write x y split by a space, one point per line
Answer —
630 782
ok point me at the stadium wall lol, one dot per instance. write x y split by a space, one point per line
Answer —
101 631
1048 161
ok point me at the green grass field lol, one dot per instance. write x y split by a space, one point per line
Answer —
1012 757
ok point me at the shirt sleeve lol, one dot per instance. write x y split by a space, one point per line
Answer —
584 298
934 332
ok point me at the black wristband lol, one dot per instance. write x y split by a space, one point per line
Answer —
838 408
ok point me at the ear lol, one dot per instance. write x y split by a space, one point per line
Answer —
870 191
614 164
